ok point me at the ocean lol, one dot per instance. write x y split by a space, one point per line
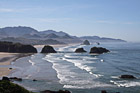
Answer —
82 72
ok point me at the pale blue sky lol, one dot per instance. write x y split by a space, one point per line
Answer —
105 18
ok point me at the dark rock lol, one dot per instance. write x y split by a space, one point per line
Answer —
103 91
98 50
15 78
5 78
80 50
60 91
16 48
86 42
10 68
48 49
34 80
127 77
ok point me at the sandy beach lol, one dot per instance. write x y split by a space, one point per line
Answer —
6 59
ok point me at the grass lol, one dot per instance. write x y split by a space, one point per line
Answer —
9 87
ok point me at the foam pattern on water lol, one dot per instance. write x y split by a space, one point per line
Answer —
74 73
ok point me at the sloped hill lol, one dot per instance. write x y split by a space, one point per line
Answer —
31 41
17 31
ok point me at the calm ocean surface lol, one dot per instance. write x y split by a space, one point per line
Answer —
82 72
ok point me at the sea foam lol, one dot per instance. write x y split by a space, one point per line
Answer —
66 68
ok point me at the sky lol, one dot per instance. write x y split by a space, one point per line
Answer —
105 18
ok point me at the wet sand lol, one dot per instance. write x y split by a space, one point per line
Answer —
6 59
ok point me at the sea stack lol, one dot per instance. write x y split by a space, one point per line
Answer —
98 50
48 49
127 77
80 50
86 42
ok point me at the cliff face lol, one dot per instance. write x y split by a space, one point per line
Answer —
16 48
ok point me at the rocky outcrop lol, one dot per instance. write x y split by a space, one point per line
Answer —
12 79
80 50
48 49
60 91
9 87
86 42
127 77
15 79
104 91
16 48
98 50
34 80
5 78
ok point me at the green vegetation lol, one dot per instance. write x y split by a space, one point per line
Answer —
9 87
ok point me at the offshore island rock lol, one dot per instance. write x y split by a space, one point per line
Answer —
48 49
86 42
98 50
127 77
80 50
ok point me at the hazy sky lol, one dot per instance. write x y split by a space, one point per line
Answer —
105 18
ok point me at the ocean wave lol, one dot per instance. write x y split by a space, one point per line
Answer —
70 48
32 55
125 83
102 60
88 86
31 62
115 77
80 56
78 63
82 66
67 76
66 49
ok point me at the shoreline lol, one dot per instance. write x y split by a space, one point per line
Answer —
55 46
6 59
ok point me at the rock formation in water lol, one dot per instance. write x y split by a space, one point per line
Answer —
60 91
80 50
104 91
15 79
86 42
16 48
98 50
48 49
12 79
127 77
